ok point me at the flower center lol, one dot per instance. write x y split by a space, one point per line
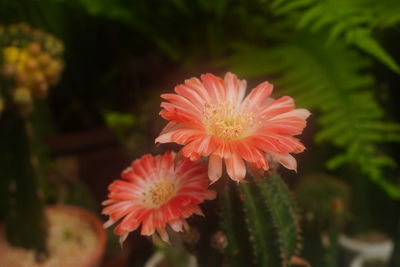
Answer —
227 121
160 193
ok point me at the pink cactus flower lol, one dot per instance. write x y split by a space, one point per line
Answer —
212 118
155 193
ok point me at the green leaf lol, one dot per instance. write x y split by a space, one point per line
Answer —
363 40
353 21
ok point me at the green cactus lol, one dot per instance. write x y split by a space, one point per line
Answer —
21 196
238 250
30 62
268 222
324 204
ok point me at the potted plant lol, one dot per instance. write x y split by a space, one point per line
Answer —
31 62
324 205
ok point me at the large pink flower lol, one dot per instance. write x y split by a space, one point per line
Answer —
211 117
155 193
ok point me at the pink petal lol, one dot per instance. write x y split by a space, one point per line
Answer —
276 107
250 153
287 160
163 234
122 239
214 86
235 167
214 167
183 102
176 225
194 90
284 126
277 143
108 223
257 96
235 88
178 114
189 150
299 113
180 136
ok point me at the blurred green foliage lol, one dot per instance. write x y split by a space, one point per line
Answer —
121 123
331 80
353 21
328 54
324 204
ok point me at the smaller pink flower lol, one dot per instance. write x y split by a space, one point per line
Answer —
154 194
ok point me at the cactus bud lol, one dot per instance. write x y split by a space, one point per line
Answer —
190 236
21 78
8 70
34 48
41 90
219 241
31 64
44 59
38 76
22 96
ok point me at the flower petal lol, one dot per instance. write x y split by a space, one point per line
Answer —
235 88
276 107
287 160
215 87
214 167
235 167
298 113
257 96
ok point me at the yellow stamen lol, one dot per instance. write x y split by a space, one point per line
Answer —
160 193
227 121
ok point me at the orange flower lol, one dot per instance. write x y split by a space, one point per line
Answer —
156 193
212 118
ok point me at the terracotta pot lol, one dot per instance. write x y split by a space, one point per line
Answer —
95 257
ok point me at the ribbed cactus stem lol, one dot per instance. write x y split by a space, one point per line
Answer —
24 209
280 202
231 214
263 234
267 221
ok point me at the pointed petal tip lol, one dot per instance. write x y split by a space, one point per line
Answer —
122 239
108 223
213 180
162 233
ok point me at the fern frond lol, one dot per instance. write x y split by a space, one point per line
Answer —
329 79
354 20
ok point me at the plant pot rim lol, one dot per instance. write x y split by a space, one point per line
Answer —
159 256
360 260
380 249
96 224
